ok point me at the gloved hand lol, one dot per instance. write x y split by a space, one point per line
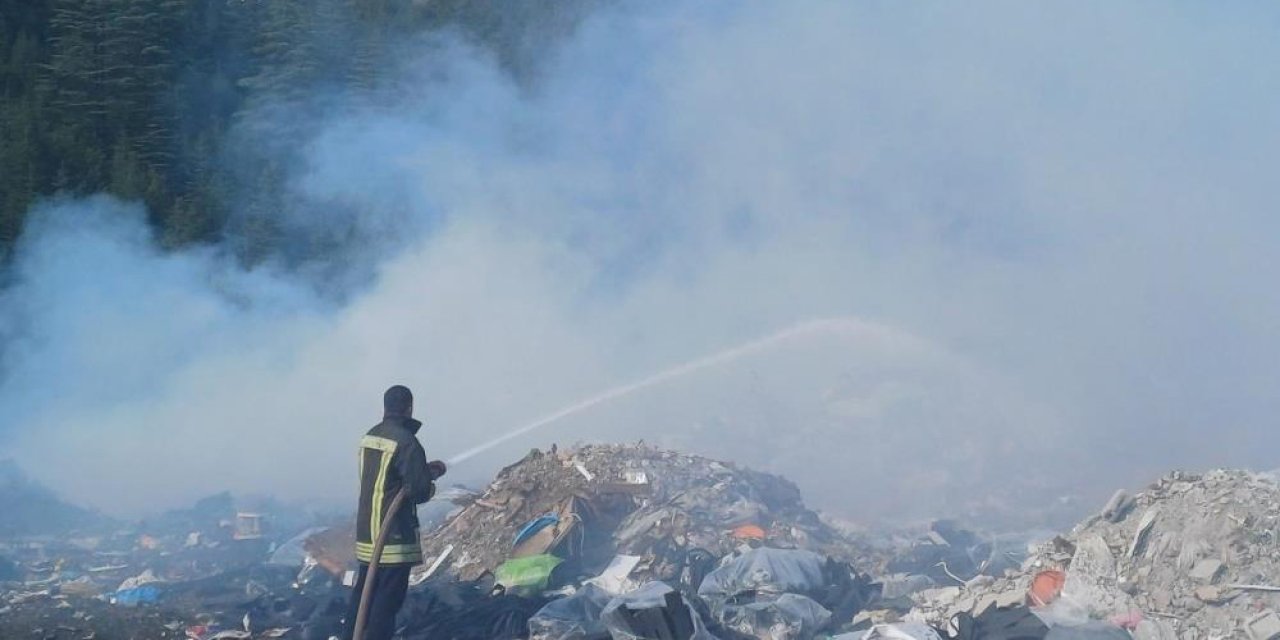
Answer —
438 468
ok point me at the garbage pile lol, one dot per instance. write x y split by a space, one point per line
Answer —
1190 557
621 541
678 513
198 573
638 542
631 542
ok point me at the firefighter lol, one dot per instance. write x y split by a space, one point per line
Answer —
391 458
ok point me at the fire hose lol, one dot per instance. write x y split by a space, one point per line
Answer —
374 560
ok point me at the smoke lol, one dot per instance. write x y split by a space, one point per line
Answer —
1049 231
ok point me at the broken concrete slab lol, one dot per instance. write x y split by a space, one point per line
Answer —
1206 570
1119 506
1264 626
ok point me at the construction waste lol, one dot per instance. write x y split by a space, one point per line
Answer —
1193 557
630 542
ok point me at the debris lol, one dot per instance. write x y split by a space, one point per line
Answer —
466 610
545 532
1187 551
136 596
1087 631
435 564
229 635
1046 586
675 511
900 631
1150 629
144 578
1144 528
527 574
248 526
1119 506
1206 570
293 552
615 578
766 571
1000 624
792 591
573 618
949 554
1209 594
631 541
655 611
1264 626
788 617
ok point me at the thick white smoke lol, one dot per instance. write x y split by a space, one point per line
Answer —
1055 225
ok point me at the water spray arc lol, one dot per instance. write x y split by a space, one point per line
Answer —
754 346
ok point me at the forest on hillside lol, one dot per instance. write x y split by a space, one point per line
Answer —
140 98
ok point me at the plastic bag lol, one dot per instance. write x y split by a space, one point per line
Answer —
637 615
136 596
766 570
902 631
527 574
571 618
788 617
293 552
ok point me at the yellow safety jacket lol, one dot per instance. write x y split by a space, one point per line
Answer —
390 458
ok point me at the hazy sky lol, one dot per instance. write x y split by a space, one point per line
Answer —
1049 228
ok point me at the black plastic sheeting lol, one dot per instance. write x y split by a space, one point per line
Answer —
576 617
465 611
655 611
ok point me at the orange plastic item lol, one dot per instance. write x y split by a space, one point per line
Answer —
1046 587
749 532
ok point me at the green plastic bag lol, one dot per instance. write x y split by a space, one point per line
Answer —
526 575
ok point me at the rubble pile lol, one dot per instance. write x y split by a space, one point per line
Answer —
1190 557
678 513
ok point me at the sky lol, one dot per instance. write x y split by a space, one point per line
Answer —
1018 251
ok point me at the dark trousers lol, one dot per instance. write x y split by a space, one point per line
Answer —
389 588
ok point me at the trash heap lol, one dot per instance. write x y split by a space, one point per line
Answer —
677 512
1190 557
210 571
631 541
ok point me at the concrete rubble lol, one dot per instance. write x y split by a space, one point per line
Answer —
1192 556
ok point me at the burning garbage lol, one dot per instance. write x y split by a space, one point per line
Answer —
678 513
598 541
635 535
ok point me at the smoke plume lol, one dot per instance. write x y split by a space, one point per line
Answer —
1041 239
